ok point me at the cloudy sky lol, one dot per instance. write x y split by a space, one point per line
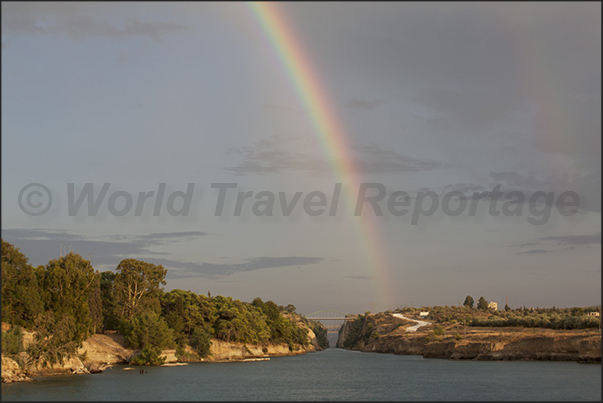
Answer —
436 97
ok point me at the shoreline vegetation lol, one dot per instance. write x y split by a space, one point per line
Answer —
67 318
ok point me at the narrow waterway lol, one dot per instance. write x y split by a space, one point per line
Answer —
333 374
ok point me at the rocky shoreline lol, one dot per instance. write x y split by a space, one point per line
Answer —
486 344
101 351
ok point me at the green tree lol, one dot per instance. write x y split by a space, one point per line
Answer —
148 329
21 301
507 307
482 303
12 341
67 284
57 338
138 287
200 341
95 305
469 301
109 302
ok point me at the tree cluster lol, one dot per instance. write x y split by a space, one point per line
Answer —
482 303
66 301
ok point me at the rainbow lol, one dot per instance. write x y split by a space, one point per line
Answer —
329 130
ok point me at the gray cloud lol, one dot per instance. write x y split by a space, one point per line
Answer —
532 251
462 187
465 59
42 245
464 109
515 179
529 244
78 21
362 104
478 76
212 270
528 185
575 239
587 186
562 242
275 155
158 238
37 233
361 277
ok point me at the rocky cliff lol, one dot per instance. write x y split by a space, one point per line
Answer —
383 334
100 351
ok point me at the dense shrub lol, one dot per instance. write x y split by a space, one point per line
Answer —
438 330
12 341
149 356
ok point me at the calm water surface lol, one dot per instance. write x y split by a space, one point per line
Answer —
333 374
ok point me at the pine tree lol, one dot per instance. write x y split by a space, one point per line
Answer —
469 301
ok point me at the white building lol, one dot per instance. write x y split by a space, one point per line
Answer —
493 305
593 314
423 314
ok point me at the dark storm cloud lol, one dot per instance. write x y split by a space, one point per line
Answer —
476 73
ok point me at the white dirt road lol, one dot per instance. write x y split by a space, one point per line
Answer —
414 328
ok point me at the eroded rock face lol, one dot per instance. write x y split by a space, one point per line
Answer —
101 351
96 367
550 347
225 351
12 372
72 365
106 349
